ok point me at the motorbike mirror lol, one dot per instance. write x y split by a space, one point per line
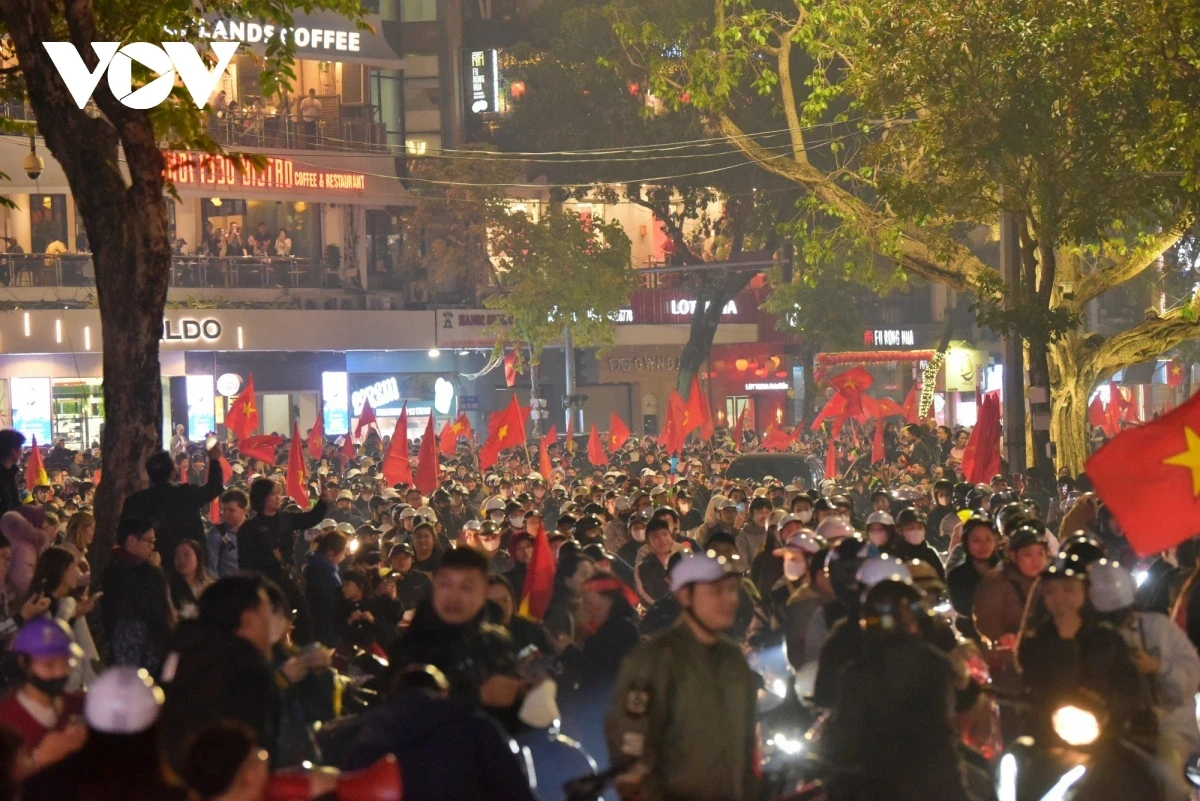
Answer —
1191 771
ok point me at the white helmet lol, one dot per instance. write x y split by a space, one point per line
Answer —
802 541
700 569
345 528
124 700
494 504
472 525
834 529
881 568
880 518
427 514
327 523
1111 586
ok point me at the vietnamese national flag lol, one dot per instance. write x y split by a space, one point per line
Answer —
981 459
367 418
674 430
595 452
539 579
775 439
397 469
1096 418
1150 478
510 368
706 419
242 417
911 407
831 460
448 439
877 452
297 471
834 408
316 437
348 450
739 428
889 408
544 465
851 384
618 433
695 410
505 430
427 460
35 468
261 447
1174 374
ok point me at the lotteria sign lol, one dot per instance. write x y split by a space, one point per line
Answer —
187 168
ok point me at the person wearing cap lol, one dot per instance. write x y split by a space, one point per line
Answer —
1000 598
1163 655
682 723
40 709
121 757
489 544
616 530
412 586
983 557
221 539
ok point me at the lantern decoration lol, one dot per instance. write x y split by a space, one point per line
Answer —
741 365
633 88
517 88
928 381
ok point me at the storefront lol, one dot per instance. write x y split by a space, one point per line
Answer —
650 372
754 376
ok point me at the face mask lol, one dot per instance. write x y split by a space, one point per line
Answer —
517 521
496 517
51 687
878 537
489 544
914 536
805 515
793 569
638 533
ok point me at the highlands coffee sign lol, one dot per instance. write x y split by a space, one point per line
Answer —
221 172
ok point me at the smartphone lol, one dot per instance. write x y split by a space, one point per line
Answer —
741 507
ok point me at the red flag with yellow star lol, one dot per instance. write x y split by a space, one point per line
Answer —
448 439
297 471
1174 374
1149 477
242 417
618 433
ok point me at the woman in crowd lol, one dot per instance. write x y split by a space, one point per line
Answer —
189 580
979 542
563 616
525 632
81 530
57 577
427 552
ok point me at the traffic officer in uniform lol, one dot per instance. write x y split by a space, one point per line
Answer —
683 716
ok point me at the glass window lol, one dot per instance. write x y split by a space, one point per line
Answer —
217 215
418 10
422 94
47 221
300 219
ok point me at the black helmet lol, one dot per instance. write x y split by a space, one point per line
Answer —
1083 550
439 496
823 505
1000 499
597 553
888 605
976 497
973 522
1027 532
841 502
943 485
842 566
488 527
1065 566
585 525
959 494
909 515
594 509
1010 514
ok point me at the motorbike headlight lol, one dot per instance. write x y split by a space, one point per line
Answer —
787 745
779 687
1075 726
352 545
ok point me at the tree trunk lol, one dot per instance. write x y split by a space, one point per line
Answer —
1072 377
126 224
710 302
1039 376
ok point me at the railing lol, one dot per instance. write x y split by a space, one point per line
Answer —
75 270
280 131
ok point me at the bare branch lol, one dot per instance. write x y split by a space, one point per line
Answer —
1143 342
1135 262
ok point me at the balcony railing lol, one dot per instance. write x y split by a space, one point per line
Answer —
345 134
244 272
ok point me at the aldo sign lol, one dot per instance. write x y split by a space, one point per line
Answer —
168 60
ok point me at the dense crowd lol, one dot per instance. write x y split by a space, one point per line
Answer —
643 610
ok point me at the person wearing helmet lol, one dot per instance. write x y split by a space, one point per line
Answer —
344 511
943 507
881 500
616 530
834 529
489 543
802 601
881 532
911 544
665 728
40 709
494 509
841 569
1065 649
802 507
823 509
981 547
653 560
412 586
121 757
1162 654
891 736
1000 598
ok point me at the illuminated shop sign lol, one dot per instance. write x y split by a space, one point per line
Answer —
889 337
31 407
483 81
188 330
768 386
336 40
221 172
336 410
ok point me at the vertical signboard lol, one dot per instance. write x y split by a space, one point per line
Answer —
335 398
483 81
201 415
31 405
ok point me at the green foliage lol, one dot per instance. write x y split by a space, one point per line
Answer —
822 307
1020 313
558 272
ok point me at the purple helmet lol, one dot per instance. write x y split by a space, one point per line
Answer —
46 637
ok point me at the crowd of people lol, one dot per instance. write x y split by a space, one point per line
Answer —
233 630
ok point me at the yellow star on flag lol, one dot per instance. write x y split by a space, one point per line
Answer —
456 428
1189 458
248 408
503 432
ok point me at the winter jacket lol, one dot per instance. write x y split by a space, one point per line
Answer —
447 751
962 583
10 495
1000 602
923 552
175 508
749 540
261 536
135 610
1174 687
323 591
28 541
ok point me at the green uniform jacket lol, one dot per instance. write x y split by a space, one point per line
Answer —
686 712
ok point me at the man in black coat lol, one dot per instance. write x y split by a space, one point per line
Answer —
175 507
323 589
11 444
217 667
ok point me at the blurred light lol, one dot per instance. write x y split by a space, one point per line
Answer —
1075 726
87 337
216 201
434 353
58 331
1140 577
26 323
241 341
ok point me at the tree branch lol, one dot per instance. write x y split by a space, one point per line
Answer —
1143 342
669 226
953 265
1135 262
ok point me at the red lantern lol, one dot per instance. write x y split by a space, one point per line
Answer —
685 98
517 89
633 88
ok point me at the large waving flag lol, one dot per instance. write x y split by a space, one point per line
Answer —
595 451
544 466
367 418
981 459
448 439
242 417
35 468
618 433
316 437
397 469
297 471
539 579
427 460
